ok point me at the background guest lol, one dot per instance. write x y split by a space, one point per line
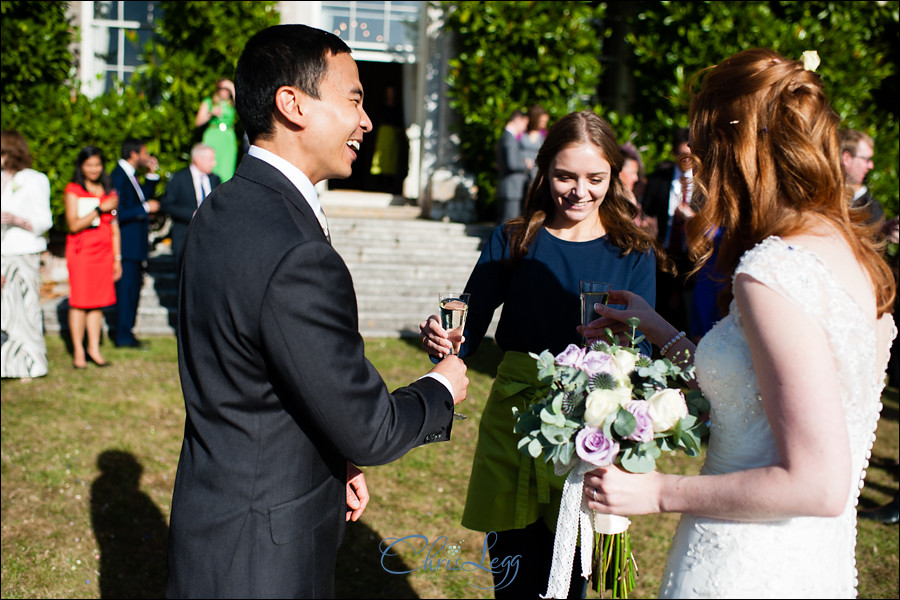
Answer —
530 141
93 253
26 217
857 156
668 199
136 204
511 169
632 177
186 190
390 161
217 115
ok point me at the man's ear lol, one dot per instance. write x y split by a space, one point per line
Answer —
289 104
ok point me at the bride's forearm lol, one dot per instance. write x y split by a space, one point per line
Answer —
762 494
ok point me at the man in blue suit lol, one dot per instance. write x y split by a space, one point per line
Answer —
136 203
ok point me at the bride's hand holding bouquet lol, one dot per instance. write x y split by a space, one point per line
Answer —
608 405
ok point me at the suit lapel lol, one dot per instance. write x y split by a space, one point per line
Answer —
264 174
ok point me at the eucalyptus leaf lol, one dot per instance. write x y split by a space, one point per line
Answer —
634 460
624 424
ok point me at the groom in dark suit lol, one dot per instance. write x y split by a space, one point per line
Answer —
186 190
281 402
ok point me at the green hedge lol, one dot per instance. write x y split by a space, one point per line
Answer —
511 54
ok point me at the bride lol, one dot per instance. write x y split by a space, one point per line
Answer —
794 373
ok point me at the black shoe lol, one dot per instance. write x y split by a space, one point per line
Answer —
132 344
91 359
889 513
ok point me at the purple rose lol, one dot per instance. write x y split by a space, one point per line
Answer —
643 429
594 447
598 362
570 357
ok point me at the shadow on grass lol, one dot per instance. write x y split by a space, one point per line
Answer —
359 573
130 530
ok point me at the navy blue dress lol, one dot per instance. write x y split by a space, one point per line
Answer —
539 292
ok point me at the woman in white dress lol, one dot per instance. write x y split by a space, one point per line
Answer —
794 373
26 218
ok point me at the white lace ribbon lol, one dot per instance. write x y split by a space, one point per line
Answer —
575 516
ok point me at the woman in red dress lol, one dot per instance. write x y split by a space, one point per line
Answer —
93 252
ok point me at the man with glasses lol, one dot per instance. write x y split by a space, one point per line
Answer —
857 151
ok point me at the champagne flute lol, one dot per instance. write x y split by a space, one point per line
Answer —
454 308
592 292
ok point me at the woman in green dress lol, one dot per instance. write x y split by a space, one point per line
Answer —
217 114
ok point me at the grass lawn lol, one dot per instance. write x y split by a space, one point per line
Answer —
89 458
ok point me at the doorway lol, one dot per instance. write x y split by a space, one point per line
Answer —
383 160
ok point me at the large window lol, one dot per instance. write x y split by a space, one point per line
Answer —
118 32
384 26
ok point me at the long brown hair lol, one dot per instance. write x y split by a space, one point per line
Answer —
766 159
617 213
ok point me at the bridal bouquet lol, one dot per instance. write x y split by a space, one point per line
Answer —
607 404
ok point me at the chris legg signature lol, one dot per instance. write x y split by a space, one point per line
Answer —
432 560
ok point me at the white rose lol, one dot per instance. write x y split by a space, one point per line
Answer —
601 403
626 361
667 407
810 59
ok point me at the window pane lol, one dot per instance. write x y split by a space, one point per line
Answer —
142 12
134 52
106 10
404 33
369 26
107 48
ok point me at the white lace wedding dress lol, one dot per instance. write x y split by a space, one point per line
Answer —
794 558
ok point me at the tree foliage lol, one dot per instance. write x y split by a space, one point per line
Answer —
194 44
34 37
511 55
662 46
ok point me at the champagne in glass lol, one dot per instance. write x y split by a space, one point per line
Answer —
454 308
592 292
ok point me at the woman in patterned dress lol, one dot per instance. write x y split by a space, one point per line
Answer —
26 218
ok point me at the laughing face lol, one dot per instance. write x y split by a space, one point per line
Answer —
579 178
336 121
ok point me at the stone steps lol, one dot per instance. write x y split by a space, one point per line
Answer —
399 264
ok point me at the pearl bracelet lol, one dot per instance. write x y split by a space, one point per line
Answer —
672 342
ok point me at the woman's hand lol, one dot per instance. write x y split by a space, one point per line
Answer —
654 327
435 340
611 490
15 221
117 270
110 204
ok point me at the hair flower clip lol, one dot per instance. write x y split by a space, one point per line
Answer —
810 59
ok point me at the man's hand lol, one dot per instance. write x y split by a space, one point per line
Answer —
357 492
454 369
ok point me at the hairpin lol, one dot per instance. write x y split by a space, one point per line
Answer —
735 122
810 59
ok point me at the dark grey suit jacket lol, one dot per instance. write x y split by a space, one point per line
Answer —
279 396
180 202
511 170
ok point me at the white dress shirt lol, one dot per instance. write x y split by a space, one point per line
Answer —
202 186
129 170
